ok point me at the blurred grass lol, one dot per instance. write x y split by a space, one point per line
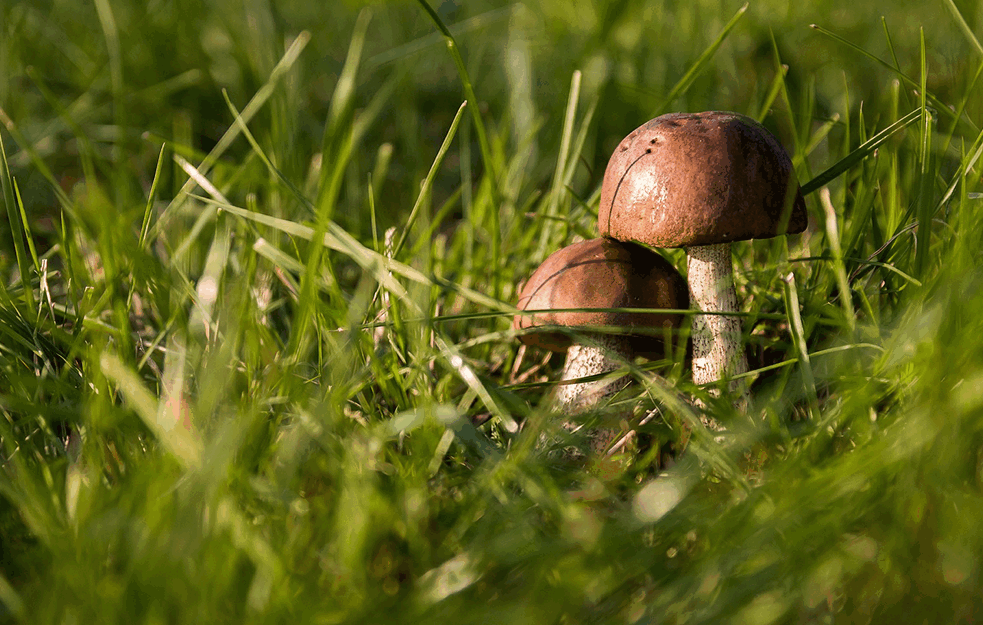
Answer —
256 276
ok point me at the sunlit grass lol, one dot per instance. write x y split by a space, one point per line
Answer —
257 276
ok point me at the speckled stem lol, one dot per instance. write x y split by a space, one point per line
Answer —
605 354
717 349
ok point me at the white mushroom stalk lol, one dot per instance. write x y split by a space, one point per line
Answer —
607 353
718 351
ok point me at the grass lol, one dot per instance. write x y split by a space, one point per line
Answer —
257 272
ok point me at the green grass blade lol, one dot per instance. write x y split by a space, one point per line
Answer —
26 225
926 178
832 235
801 345
10 201
252 107
176 439
777 84
562 157
428 181
377 264
963 26
39 164
12 601
861 152
701 63
469 95
151 198
491 163
941 106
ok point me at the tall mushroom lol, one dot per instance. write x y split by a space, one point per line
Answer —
701 181
599 274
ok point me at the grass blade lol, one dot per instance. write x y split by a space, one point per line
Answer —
8 191
832 234
926 178
428 181
252 107
176 439
777 84
963 26
860 153
798 337
491 164
561 164
702 61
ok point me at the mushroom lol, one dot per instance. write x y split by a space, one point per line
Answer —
599 274
701 181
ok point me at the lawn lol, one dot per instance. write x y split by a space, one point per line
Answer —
259 263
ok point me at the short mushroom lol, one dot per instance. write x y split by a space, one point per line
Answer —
701 181
599 274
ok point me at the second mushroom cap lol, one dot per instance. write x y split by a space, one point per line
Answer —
601 273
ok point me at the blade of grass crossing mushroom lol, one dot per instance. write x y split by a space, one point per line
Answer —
798 337
702 61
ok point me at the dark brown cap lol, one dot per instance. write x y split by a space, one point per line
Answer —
700 179
601 273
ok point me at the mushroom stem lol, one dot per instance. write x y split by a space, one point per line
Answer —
717 348
606 353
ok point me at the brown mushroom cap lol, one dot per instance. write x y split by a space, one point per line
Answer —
601 273
683 180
